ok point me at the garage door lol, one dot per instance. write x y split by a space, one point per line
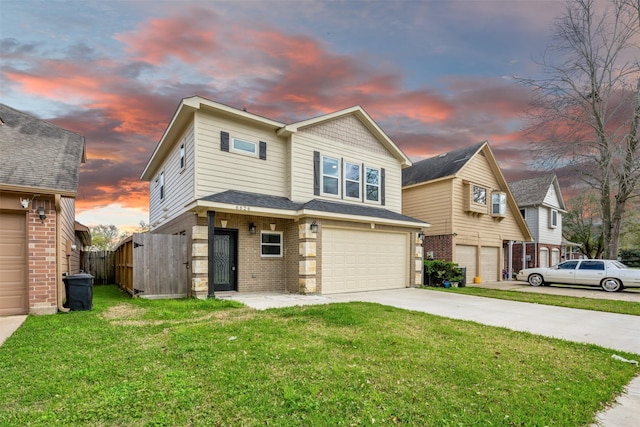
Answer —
358 260
466 257
13 264
490 264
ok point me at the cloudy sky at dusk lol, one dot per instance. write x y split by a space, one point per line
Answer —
435 75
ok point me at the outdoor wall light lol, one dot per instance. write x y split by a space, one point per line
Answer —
41 214
420 234
313 227
252 228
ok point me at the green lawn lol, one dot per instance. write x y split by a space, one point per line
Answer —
611 306
134 362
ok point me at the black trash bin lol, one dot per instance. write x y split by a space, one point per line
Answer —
79 290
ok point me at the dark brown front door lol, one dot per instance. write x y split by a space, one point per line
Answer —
225 260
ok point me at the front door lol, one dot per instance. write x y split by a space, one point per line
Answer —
225 261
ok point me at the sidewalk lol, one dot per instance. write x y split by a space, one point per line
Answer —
8 325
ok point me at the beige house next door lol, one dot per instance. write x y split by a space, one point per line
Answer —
13 264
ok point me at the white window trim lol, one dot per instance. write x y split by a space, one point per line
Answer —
365 184
502 206
322 176
232 147
552 223
271 244
345 180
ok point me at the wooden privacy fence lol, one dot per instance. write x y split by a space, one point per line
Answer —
153 265
100 264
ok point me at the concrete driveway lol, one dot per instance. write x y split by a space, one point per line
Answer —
616 331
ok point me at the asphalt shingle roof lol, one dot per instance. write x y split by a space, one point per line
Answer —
38 154
234 197
531 191
446 164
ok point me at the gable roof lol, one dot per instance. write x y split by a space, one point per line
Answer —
440 166
188 106
37 155
315 207
532 191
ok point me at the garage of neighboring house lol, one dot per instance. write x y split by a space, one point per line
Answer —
362 260
490 264
466 257
13 264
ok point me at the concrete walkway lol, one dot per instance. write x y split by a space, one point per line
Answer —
616 331
8 325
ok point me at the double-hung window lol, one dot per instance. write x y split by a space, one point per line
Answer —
553 218
498 204
182 158
352 178
161 183
479 195
271 244
372 184
330 176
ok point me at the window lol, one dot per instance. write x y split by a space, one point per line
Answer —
372 183
498 204
479 195
182 163
330 176
244 147
591 265
161 185
553 218
567 265
271 244
351 180
523 212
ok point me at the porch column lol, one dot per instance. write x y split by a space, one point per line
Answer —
307 265
510 269
211 217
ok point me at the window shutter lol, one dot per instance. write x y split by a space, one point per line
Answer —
263 150
224 141
316 173
382 186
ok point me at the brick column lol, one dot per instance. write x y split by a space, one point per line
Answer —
42 261
200 262
418 255
307 264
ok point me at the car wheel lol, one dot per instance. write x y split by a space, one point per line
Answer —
611 285
536 280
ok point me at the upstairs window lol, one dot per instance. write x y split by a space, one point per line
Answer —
330 176
372 183
498 204
182 161
161 183
352 178
553 218
244 147
479 195
523 212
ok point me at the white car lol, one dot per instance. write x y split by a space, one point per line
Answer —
610 275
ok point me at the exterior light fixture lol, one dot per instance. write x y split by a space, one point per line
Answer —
252 228
314 227
420 234
41 214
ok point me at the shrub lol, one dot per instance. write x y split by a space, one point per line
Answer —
440 271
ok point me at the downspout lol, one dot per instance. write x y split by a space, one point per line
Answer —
59 282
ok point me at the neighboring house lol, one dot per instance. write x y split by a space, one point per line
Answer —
310 207
542 206
474 218
39 170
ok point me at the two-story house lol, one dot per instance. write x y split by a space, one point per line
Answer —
313 206
39 174
542 206
474 219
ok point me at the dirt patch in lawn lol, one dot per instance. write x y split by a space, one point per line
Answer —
123 311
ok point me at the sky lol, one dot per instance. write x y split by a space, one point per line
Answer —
436 75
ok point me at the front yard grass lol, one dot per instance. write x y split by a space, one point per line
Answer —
135 362
611 306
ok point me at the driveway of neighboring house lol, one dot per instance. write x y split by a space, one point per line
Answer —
611 330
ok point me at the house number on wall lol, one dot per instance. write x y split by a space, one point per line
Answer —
243 208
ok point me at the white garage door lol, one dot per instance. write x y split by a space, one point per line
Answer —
490 264
466 257
358 260
13 264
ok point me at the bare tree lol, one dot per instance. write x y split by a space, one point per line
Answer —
586 111
582 224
